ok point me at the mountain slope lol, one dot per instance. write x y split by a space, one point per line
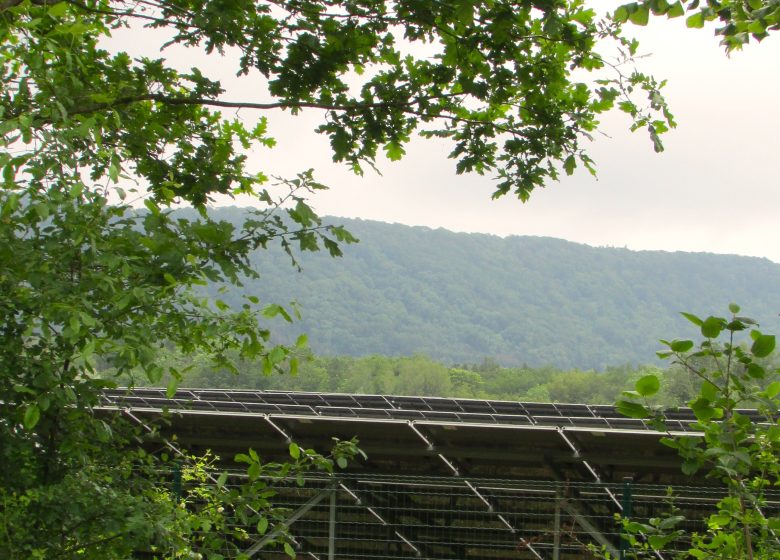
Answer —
461 297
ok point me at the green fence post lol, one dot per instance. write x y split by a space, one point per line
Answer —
628 509
177 482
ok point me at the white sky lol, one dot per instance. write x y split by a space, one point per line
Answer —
714 189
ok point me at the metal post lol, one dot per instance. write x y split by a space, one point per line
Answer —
628 506
557 534
177 482
297 514
332 526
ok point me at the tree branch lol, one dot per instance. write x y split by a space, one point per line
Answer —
7 4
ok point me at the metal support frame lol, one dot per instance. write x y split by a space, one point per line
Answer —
295 516
456 471
591 529
628 510
370 506
578 455
332 525
557 526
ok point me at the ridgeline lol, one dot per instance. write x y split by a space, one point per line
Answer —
459 297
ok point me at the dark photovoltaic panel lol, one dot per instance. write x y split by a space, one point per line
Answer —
428 409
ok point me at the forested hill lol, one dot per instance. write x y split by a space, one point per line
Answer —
519 300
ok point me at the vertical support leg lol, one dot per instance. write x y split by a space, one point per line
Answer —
177 490
628 507
557 534
332 526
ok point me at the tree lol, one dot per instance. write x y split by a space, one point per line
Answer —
741 19
84 276
740 452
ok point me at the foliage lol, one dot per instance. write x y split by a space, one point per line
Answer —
124 503
457 297
741 19
85 279
420 375
498 85
735 450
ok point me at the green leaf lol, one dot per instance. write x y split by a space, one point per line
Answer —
709 391
222 479
756 371
632 409
102 432
690 467
681 346
648 385
295 451
262 526
675 10
289 550
734 308
569 165
763 346
696 21
659 7
114 170
772 390
341 462
58 10
394 151
692 318
621 13
712 327
31 416
640 16
704 410
173 385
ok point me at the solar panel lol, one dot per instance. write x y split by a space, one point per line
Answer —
513 419
569 409
443 405
408 414
372 401
475 406
476 417
410 402
508 407
553 420
277 398
340 400
214 396
336 411
431 409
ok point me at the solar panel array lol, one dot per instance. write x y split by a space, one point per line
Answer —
384 407
388 512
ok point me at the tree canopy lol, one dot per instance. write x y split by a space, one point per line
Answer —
495 78
741 20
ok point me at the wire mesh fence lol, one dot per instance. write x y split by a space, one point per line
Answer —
396 517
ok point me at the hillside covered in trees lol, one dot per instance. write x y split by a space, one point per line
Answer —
534 301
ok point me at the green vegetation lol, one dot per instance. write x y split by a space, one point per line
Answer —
521 300
737 451
85 280
420 375
740 20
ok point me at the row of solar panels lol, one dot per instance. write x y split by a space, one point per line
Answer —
390 407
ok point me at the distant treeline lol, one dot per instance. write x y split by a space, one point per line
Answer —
522 300
421 375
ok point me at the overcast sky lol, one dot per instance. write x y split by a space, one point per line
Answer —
714 189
